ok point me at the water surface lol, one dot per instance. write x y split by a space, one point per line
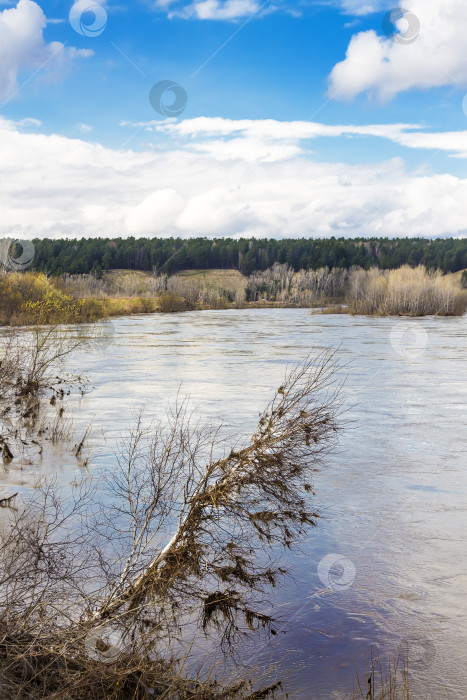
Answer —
393 501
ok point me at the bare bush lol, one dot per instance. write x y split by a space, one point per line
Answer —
197 292
304 288
405 292
34 382
182 292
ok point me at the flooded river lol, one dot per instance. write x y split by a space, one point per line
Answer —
387 565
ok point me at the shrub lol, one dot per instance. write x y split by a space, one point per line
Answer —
30 298
169 303
406 291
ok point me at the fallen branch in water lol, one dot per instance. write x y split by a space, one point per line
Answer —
259 492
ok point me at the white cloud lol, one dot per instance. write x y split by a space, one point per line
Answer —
22 45
453 142
268 140
220 9
193 185
361 7
214 9
376 64
155 213
270 129
29 121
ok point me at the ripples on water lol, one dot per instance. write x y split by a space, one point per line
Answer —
393 501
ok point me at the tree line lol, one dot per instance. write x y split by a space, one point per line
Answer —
169 255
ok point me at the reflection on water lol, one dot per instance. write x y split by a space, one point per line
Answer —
393 501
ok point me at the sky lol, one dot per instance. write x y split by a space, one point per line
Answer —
305 118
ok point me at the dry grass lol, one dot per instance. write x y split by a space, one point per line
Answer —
383 682
129 306
457 277
205 289
231 280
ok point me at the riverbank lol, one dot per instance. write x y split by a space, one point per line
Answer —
29 298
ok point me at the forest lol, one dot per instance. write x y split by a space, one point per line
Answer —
169 255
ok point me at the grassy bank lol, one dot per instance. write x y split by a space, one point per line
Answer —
29 297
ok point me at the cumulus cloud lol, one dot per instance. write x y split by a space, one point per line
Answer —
56 186
155 214
22 45
376 64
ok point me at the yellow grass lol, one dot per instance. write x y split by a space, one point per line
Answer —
128 306
455 277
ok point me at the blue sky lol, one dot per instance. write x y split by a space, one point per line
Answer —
256 76
276 67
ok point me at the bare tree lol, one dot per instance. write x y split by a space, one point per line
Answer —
304 288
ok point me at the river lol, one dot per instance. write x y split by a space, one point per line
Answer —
393 499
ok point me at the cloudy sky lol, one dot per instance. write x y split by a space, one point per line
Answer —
233 117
